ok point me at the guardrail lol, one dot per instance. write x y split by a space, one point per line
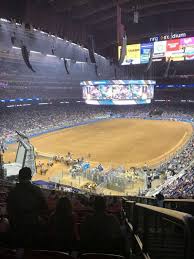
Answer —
159 232
183 205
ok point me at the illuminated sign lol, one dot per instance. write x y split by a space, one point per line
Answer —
168 37
118 92
173 49
159 49
146 49
132 54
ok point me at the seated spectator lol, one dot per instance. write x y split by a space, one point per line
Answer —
101 232
62 226
4 225
26 205
115 206
52 201
160 199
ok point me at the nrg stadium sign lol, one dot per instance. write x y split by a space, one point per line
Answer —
168 37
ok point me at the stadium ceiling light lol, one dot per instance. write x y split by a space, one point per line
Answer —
52 56
35 29
10 106
85 48
80 62
43 32
36 52
59 38
13 47
73 43
52 35
19 24
4 20
42 103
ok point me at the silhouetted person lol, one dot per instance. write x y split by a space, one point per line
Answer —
62 225
25 206
160 200
101 232
52 201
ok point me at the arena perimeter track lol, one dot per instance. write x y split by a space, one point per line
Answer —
115 142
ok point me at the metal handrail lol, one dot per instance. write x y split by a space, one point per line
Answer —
183 220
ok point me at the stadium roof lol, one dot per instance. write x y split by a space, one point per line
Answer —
98 18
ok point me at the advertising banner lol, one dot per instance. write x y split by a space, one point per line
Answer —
146 49
173 45
187 42
188 47
174 50
159 49
133 54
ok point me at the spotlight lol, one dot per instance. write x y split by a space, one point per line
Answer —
136 16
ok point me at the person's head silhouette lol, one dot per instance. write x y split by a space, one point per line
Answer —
99 204
25 174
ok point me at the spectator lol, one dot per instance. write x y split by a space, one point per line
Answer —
52 201
62 225
101 232
160 200
26 205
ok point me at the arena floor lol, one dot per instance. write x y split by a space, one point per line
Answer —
127 142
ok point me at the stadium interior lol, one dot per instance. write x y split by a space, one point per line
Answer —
97 129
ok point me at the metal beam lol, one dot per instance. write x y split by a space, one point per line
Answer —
83 14
168 10
91 11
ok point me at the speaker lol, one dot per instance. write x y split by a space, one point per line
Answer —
150 60
66 66
123 49
96 70
25 55
167 68
13 39
115 72
91 49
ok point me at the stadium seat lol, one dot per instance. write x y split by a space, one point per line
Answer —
100 256
46 254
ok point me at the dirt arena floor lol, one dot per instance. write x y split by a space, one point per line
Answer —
127 142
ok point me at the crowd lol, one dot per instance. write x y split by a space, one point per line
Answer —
182 187
60 221
181 160
38 118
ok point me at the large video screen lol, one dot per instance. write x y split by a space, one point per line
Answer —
118 91
174 49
